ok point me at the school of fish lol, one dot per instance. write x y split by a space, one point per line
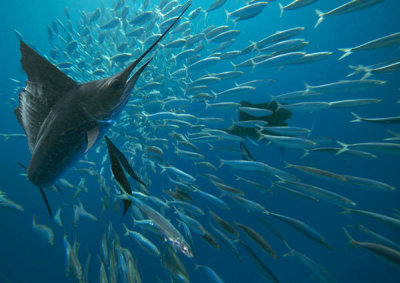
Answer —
175 131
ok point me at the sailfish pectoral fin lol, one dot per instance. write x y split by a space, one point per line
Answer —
119 174
46 201
123 161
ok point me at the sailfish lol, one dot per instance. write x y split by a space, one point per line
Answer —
62 118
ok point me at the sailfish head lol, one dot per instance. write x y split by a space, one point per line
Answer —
107 97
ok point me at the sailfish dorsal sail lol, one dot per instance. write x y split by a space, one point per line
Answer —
45 86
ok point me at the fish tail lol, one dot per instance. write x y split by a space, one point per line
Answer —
306 153
222 162
357 118
227 15
347 52
308 88
126 230
345 211
366 75
320 17
281 8
352 242
33 222
261 135
234 66
163 168
357 70
253 65
287 164
344 148
254 46
289 253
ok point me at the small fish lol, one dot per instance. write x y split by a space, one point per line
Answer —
319 193
260 265
385 120
391 255
178 173
303 228
212 275
317 172
353 102
111 24
247 12
369 71
391 148
145 243
296 4
257 238
351 6
215 5
170 233
385 41
6 203
289 142
44 230
390 221
321 274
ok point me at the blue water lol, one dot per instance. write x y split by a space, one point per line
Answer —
25 256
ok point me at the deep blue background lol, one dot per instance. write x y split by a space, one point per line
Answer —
26 257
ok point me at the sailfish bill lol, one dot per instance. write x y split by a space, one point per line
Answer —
63 119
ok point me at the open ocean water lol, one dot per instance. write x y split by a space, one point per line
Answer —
27 256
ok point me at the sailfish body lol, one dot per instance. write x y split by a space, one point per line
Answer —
63 119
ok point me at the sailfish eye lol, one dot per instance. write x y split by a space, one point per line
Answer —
116 84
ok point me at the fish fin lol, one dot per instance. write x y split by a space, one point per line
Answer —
306 153
253 65
308 88
358 118
45 86
22 165
124 162
227 15
347 52
290 253
234 65
344 148
281 8
92 136
120 177
345 211
352 242
222 162
46 201
126 230
287 164
366 75
163 168
320 17
59 190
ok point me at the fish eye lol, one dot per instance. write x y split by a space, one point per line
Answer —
116 84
